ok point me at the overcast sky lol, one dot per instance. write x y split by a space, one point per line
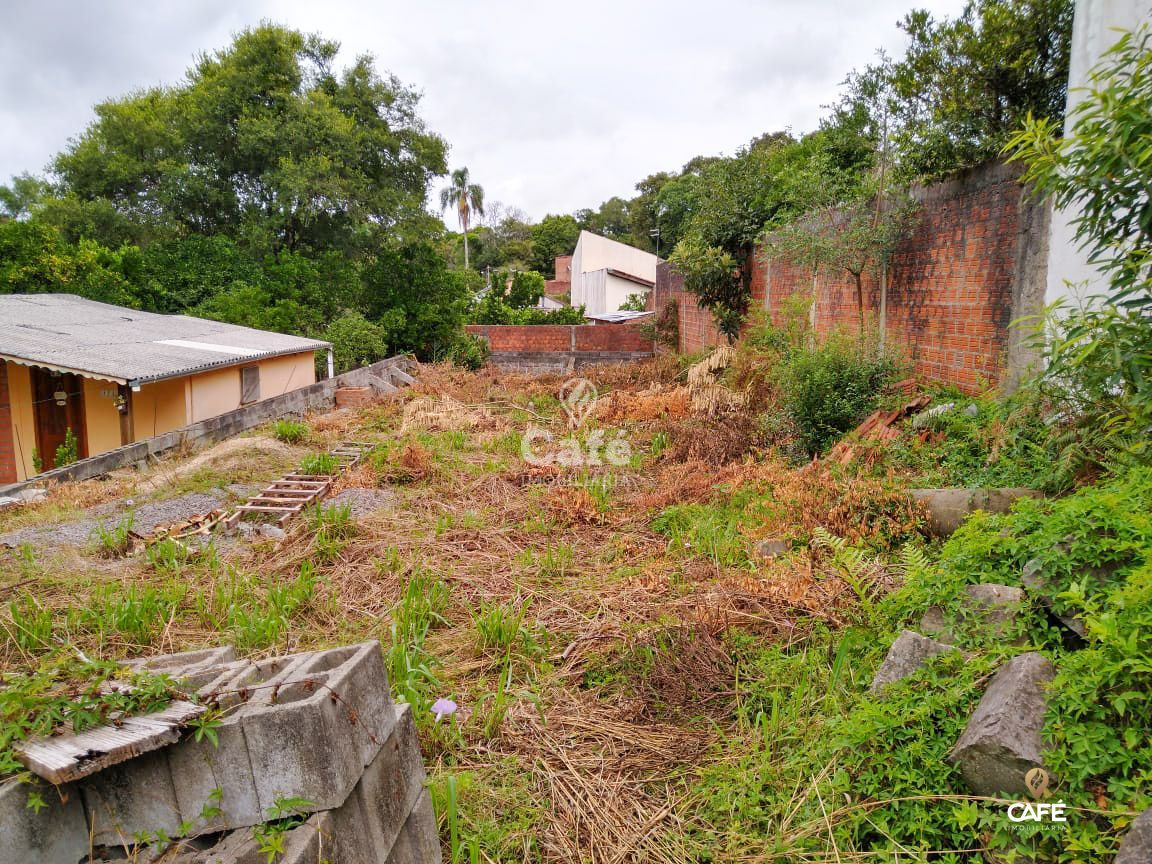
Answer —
552 106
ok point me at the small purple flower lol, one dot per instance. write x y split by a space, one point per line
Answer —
444 708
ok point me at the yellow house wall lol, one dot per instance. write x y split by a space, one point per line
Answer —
218 392
23 419
159 408
214 393
156 408
279 375
101 419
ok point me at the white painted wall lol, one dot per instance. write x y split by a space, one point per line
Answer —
1069 274
593 286
617 291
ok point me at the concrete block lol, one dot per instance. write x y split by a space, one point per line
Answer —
948 508
388 817
399 377
1002 742
1136 848
56 835
130 799
303 726
908 653
418 842
191 668
392 783
382 385
997 609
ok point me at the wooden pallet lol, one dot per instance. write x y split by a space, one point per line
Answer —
294 492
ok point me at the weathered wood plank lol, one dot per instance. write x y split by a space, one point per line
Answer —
64 758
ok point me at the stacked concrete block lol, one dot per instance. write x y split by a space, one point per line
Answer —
317 727
304 726
388 818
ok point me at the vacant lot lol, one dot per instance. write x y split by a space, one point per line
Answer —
583 569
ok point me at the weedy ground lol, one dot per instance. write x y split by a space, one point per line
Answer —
634 682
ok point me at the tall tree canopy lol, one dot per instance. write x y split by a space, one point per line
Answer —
264 143
966 84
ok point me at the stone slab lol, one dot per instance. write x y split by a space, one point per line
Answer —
907 655
1136 847
1002 741
997 608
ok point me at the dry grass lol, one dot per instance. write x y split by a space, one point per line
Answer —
609 719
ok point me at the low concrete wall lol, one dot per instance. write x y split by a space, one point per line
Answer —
314 397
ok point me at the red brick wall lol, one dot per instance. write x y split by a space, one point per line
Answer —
561 337
561 284
697 326
950 284
7 446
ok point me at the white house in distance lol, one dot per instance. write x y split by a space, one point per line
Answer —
605 273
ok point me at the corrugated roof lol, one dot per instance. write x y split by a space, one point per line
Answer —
618 317
66 332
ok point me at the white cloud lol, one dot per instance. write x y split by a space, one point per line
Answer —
552 106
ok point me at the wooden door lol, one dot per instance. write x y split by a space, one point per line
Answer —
59 406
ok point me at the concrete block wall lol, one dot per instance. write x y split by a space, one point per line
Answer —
318 726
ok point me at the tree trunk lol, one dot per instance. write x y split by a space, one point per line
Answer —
860 299
465 248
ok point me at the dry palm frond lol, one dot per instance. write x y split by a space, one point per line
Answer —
709 396
426 413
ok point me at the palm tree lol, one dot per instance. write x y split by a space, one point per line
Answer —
468 199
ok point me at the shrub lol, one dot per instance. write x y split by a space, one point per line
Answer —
319 464
356 341
469 352
828 388
290 431
69 451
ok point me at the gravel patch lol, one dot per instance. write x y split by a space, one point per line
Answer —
146 516
364 501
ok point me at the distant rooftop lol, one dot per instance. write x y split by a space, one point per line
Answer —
618 317
72 334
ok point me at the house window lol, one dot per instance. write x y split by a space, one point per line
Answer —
249 384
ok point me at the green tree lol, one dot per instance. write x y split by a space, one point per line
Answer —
552 236
468 199
610 220
356 341
518 289
21 197
427 303
966 84
852 238
35 259
263 143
